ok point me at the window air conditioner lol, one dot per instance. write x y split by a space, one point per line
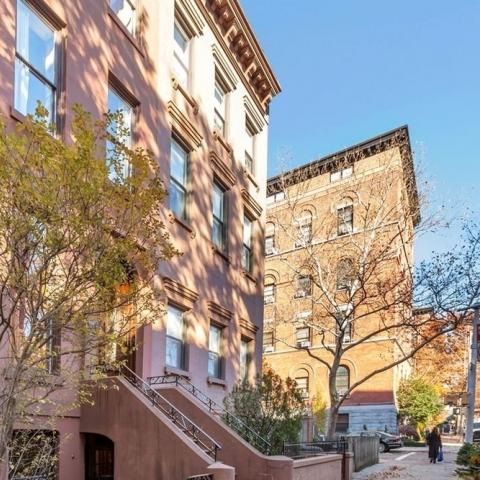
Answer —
303 343
268 349
269 299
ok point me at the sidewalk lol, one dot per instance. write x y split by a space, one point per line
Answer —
411 463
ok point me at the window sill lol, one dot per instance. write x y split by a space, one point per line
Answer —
133 40
249 276
16 115
176 85
177 371
217 381
217 135
222 254
172 218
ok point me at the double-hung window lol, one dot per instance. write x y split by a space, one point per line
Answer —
247 255
302 386
269 294
121 131
343 322
178 180
181 55
269 245
341 174
302 335
35 63
250 148
215 352
244 359
126 12
219 229
175 351
304 286
345 220
220 107
268 342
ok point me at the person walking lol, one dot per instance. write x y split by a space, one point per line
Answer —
434 441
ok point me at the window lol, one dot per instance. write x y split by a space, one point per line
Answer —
342 423
219 229
245 358
342 380
345 274
220 107
345 220
268 345
276 197
269 294
181 55
269 245
247 262
304 286
53 340
125 11
35 63
344 315
341 174
302 386
302 337
121 131
250 147
215 352
178 180
304 230
175 338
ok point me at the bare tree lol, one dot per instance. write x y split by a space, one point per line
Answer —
80 242
348 254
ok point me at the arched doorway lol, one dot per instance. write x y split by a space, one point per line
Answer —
99 457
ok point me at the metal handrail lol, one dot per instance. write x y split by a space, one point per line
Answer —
250 435
313 449
187 426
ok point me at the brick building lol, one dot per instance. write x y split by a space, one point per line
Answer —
338 243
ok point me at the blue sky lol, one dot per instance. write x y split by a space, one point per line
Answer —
353 69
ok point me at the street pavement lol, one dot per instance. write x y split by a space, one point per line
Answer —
412 463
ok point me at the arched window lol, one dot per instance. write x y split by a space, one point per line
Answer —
269 291
345 274
303 383
345 219
342 380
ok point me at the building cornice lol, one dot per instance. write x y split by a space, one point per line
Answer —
398 138
233 32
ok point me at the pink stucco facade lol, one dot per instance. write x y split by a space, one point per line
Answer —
96 52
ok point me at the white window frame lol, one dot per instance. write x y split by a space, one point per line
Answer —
24 69
131 24
179 340
181 184
182 58
343 227
269 295
215 355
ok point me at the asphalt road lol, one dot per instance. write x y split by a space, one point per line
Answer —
411 463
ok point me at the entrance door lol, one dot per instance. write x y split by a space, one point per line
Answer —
99 457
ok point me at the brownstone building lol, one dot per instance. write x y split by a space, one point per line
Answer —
338 251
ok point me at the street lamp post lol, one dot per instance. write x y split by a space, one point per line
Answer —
472 377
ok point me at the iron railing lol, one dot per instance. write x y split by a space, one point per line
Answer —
208 476
181 421
240 427
314 449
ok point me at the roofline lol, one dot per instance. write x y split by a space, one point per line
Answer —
259 49
379 143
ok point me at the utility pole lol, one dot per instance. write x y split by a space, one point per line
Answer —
472 377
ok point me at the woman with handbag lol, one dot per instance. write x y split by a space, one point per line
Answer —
434 445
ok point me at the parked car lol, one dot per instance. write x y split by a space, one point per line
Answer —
387 441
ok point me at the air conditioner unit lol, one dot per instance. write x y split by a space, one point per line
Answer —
303 343
268 349
271 251
347 339
268 299
304 395
300 294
